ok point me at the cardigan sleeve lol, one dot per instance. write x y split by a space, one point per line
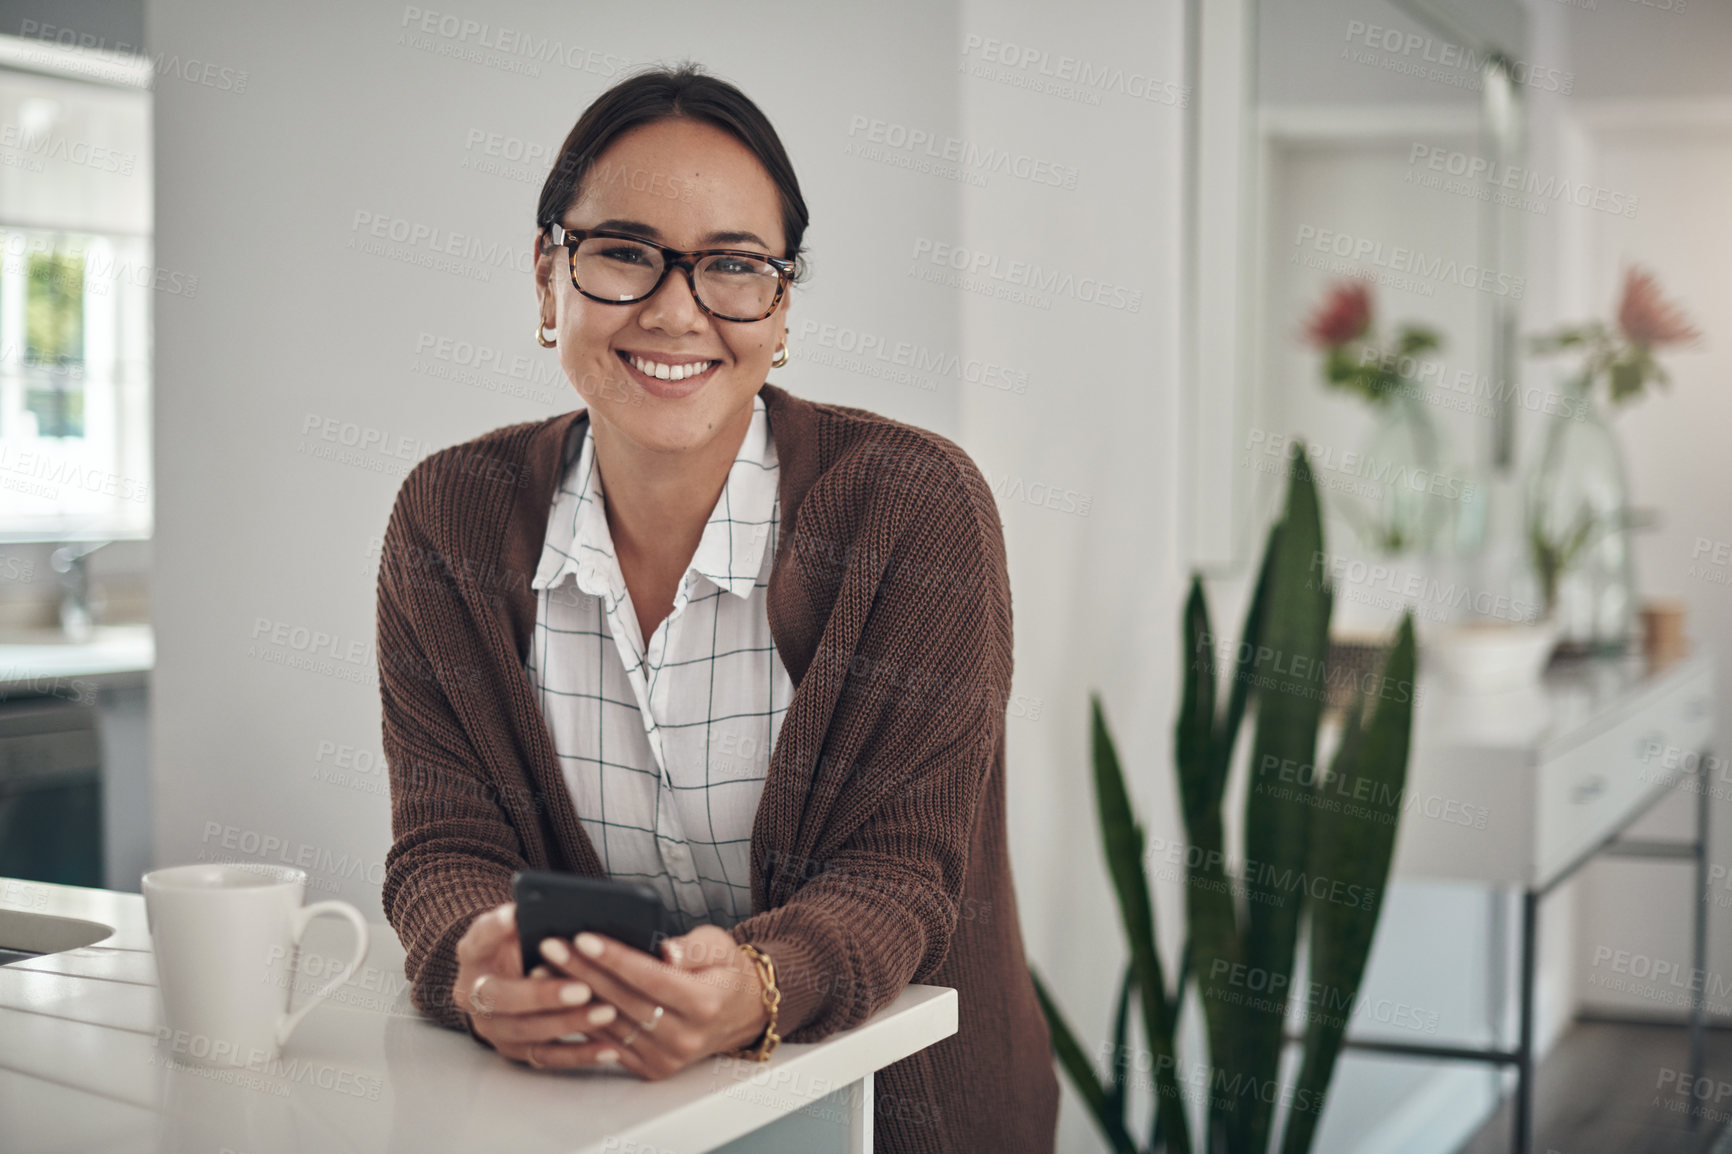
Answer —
454 849
913 739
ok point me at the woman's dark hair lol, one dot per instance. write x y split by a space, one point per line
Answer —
660 94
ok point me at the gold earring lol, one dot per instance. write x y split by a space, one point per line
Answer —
541 337
782 356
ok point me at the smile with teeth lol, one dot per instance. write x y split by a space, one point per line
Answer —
665 372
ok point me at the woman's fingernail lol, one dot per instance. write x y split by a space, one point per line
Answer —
602 1015
541 972
589 945
576 994
607 1057
555 951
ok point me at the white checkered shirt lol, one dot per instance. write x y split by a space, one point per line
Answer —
664 748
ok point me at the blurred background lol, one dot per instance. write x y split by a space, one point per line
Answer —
259 260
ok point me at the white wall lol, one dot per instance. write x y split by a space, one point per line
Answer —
1096 595
1677 156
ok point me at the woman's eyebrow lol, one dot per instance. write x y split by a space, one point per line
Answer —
654 233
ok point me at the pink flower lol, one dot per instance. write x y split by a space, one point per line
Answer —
1345 315
1647 320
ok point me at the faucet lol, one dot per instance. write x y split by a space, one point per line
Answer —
69 561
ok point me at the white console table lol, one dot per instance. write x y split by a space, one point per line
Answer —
1520 790
83 1066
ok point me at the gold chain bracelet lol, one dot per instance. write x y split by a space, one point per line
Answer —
760 1050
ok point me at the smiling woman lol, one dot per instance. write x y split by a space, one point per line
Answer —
759 660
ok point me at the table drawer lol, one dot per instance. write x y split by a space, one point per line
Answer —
1586 792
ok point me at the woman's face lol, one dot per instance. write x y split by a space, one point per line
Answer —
682 183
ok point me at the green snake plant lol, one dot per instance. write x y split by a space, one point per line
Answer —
1314 870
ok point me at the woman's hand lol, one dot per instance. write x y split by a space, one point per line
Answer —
711 997
512 1012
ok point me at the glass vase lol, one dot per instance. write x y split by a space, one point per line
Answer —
1406 497
1578 529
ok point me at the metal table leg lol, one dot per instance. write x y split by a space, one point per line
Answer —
1522 1140
1699 936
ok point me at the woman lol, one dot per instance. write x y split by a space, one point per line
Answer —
750 649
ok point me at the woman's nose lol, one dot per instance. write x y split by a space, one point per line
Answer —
674 307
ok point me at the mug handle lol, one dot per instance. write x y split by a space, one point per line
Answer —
301 919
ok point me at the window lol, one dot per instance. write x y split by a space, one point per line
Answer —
76 283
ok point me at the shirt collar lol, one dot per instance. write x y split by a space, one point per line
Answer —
730 553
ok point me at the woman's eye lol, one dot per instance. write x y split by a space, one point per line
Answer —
734 265
626 255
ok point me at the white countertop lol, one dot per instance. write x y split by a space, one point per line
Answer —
81 1067
112 651
1572 702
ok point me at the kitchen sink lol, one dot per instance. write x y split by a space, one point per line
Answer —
26 935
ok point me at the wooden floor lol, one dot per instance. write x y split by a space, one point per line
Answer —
1600 1092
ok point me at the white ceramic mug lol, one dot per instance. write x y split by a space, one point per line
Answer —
226 937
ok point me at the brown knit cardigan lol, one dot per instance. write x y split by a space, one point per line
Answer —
878 850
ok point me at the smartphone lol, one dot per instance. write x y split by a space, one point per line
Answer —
556 905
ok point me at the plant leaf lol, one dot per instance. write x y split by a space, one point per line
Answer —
1352 849
1290 698
1082 1075
1123 840
1115 1096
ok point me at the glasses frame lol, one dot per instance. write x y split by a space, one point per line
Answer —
685 259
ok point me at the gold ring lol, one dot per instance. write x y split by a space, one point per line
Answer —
627 1040
532 1061
655 1020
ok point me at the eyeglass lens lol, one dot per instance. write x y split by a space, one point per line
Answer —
624 270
